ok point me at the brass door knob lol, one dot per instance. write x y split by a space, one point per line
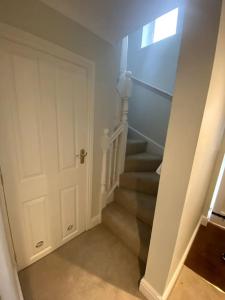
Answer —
82 155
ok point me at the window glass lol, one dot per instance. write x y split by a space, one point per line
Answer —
161 28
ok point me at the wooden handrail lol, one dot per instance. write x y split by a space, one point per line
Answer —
156 90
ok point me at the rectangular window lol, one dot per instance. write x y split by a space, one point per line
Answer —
147 34
160 29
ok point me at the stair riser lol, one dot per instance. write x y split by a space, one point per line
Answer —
135 165
142 186
146 216
130 215
132 243
135 148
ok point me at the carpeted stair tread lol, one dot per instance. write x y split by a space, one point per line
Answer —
134 233
135 146
142 162
144 182
138 204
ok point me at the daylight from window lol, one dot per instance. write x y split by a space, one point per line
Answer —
161 28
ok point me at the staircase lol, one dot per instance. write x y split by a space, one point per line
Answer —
130 215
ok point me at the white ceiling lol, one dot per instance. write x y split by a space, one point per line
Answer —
111 19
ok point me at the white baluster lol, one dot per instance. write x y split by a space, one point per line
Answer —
123 148
105 148
115 162
110 160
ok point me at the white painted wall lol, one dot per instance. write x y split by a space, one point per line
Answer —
149 114
156 65
39 19
185 171
209 142
111 19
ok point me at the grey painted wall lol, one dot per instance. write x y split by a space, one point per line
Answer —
155 64
149 113
39 19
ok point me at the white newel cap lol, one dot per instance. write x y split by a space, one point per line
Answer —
124 85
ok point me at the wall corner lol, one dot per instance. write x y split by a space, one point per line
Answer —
148 290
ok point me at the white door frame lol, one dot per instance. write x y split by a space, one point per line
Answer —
216 179
18 36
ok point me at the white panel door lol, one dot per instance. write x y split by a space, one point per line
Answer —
44 124
64 112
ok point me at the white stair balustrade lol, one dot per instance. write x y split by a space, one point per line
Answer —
114 146
124 88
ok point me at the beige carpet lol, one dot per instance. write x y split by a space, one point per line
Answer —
130 215
97 266
94 266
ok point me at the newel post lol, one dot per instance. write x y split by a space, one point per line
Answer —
105 148
124 88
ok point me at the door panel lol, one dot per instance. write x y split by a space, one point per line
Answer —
27 97
66 123
26 124
45 117
36 221
33 187
69 211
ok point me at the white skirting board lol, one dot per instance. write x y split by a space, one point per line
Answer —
96 220
153 145
149 292
204 221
